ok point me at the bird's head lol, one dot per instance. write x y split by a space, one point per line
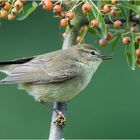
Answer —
90 54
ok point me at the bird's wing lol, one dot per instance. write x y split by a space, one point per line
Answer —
46 71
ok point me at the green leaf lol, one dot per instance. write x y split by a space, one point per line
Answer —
130 54
137 46
118 32
124 13
114 42
93 31
137 2
116 38
27 10
135 8
101 3
98 15
90 16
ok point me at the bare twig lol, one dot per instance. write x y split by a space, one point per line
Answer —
133 19
56 132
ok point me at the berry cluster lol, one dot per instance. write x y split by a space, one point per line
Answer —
110 10
107 9
65 16
10 10
99 15
127 40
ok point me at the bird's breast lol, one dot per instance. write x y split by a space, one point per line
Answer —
61 91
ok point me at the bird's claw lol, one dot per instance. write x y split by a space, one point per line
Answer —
61 119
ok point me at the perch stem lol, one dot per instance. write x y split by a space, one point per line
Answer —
57 132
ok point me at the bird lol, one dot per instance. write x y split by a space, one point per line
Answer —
55 76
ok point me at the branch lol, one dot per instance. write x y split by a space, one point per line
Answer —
133 19
72 32
56 132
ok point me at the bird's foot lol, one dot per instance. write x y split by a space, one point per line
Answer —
61 119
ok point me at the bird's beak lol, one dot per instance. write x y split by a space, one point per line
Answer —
103 57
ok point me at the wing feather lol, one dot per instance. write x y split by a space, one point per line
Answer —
41 70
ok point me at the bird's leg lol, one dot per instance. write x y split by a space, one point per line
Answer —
61 119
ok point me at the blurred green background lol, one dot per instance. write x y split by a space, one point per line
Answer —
108 108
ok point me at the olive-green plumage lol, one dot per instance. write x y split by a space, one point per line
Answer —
55 76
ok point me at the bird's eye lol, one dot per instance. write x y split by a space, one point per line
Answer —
93 53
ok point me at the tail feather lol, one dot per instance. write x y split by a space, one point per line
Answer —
17 61
7 66
3 82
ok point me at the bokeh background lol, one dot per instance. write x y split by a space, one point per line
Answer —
108 108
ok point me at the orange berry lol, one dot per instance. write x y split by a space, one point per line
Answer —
43 1
114 1
113 11
109 36
63 23
137 39
102 42
117 24
62 15
86 8
57 9
138 52
14 11
47 5
138 61
11 16
106 8
94 23
70 15
126 40
18 4
3 13
23 1
7 6
134 29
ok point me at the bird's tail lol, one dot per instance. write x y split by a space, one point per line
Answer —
7 66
